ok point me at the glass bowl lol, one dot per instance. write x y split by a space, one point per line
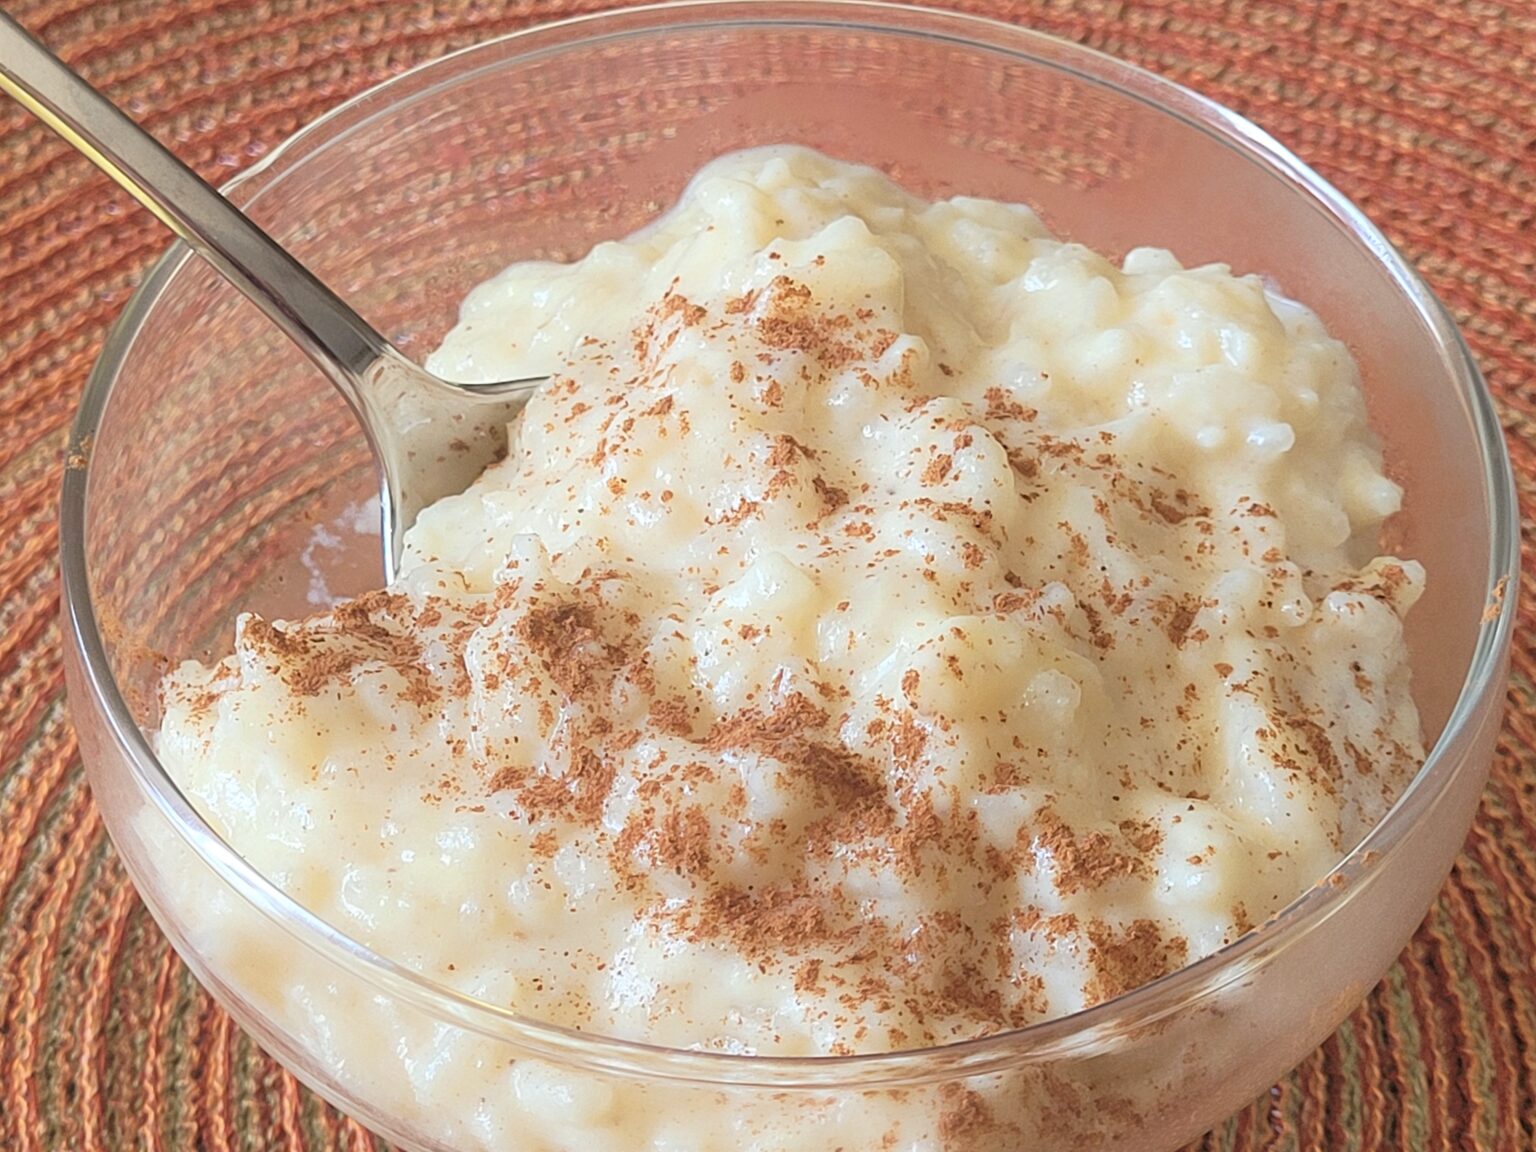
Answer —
213 470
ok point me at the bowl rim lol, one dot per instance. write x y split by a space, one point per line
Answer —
1054 1038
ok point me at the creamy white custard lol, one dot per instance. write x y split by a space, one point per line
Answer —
891 625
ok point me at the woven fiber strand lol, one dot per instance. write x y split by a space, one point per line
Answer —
1423 112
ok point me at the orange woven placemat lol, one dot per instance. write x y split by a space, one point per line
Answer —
1424 112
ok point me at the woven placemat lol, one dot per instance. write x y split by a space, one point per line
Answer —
1424 112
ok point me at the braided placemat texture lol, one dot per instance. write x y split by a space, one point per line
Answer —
1424 112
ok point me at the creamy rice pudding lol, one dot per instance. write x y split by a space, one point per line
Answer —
891 625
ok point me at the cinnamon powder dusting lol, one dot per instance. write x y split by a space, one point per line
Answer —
1088 862
562 636
1127 958
328 652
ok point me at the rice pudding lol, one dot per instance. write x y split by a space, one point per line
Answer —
891 625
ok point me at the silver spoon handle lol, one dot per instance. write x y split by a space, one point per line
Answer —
318 321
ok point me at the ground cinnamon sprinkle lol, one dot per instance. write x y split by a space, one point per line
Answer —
938 468
578 795
1179 618
908 740
739 512
1126 958
507 777
672 716
831 498
682 841
674 304
922 829
1006 602
789 733
964 1113
660 408
1142 835
786 450
788 320
1087 862
1313 737
1002 406
742 303
563 636
327 652
762 924
808 977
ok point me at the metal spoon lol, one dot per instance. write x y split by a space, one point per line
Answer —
429 437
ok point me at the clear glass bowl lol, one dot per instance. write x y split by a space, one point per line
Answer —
209 459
